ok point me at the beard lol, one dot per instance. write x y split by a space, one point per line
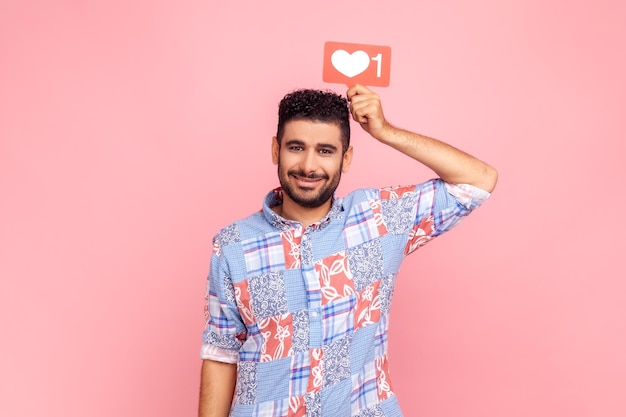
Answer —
309 198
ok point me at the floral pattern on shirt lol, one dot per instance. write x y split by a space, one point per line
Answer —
383 380
367 309
291 245
229 289
228 235
297 407
335 277
375 411
246 382
420 234
267 292
316 357
385 292
336 361
277 338
366 263
243 300
394 193
300 339
224 342
313 404
398 215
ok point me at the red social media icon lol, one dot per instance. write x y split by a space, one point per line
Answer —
355 63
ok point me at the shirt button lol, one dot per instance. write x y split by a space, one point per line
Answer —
314 314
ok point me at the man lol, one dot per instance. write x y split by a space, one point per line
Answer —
299 293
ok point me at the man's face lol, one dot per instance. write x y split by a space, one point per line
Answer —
310 161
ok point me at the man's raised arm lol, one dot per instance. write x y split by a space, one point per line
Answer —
449 163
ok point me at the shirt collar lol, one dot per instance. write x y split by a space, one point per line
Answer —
275 197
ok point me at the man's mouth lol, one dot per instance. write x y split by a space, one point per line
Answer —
307 181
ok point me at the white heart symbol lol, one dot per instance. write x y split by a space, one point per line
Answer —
350 64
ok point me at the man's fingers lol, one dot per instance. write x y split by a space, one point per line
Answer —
362 109
367 103
357 89
366 108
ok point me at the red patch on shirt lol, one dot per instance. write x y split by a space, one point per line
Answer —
277 335
242 295
420 235
316 375
367 310
395 192
383 382
291 245
335 277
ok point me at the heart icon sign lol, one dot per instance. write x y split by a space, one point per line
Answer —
348 64
356 63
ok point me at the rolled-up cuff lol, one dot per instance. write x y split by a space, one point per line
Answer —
468 195
215 353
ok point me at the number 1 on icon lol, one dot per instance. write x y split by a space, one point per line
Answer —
379 59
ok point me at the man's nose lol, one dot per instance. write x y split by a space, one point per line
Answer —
309 162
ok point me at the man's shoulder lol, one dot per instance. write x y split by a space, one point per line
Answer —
244 228
359 195
392 192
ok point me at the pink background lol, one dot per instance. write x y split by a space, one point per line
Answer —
132 130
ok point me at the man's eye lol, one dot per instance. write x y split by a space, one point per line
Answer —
295 148
326 151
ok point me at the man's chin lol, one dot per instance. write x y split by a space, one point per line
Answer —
309 202
308 197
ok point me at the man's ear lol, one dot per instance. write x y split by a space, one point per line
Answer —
275 150
347 160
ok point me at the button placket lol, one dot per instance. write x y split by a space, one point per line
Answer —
314 295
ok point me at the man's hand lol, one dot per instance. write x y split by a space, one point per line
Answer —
367 110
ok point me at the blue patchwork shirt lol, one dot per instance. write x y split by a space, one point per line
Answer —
304 312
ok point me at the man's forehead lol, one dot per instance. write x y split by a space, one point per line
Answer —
312 129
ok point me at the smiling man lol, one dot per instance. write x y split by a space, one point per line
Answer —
299 293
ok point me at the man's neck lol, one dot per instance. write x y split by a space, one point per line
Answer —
307 216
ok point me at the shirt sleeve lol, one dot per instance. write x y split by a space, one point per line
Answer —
467 195
224 331
440 207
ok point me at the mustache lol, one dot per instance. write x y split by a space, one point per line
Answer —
311 176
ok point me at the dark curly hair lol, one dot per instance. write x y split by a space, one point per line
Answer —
316 105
